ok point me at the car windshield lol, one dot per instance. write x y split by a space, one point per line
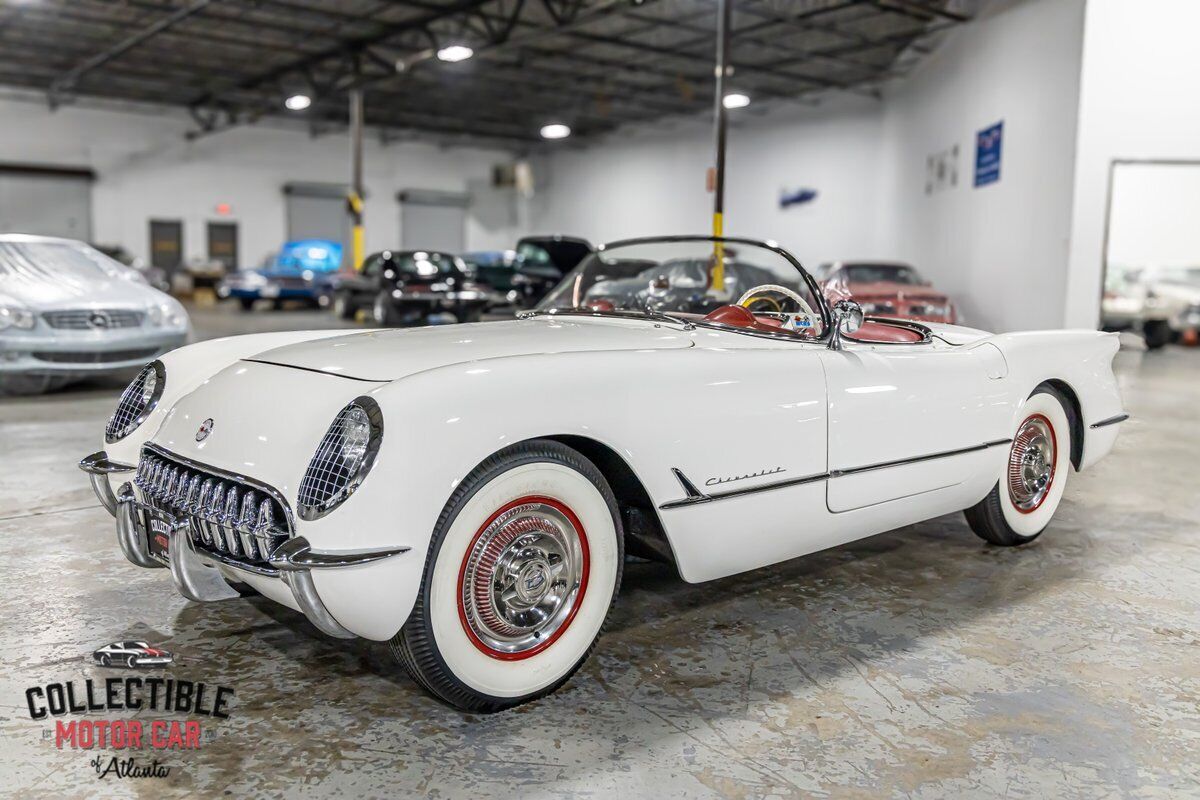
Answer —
689 276
69 262
880 273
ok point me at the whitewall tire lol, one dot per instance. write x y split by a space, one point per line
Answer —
522 570
1034 475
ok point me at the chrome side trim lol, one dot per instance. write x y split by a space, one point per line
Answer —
297 554
837 473
1119 418
98 466
695 496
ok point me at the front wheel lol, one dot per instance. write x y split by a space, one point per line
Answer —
342 309
383 312
1157 333
524 565
1023 501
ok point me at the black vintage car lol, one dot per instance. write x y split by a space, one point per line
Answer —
408 287
541 263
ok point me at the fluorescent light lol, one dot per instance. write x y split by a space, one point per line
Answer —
298 102
455 52
555 130
736 100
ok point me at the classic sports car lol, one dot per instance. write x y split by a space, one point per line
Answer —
68 311
886 289
468 493
303 270
541 263
403 287
1163 302
131 654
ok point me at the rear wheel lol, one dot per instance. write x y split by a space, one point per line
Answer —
383 312
342 309
1157 333
524 565
247 303
1023 501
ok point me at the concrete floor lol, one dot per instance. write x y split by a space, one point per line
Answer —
917 663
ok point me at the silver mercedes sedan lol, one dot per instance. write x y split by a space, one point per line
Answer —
68 311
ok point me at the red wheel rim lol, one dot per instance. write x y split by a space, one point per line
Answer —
514 543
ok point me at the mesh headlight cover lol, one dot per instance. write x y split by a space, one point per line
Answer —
137 401
343 459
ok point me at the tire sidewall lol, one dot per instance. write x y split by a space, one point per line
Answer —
513 680
1029 524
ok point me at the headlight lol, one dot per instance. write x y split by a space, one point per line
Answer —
343 459
137 401
167 314
15 317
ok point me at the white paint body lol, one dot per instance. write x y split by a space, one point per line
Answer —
715 404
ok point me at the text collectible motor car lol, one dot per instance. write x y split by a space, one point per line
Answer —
67 311
468 492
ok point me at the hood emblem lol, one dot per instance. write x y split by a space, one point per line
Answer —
205 429
98 319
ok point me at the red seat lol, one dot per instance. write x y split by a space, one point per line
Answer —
741 317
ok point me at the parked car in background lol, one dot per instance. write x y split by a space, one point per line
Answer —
886 289
303 270
68 311
1163 303
541 263
496 268
681 284
155 276
410 286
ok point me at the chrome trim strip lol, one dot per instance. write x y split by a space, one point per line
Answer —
695 496
1110 421
318 371
297 554
837 473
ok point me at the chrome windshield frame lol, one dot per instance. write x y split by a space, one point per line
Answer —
809 281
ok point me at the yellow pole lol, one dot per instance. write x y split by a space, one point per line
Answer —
718 270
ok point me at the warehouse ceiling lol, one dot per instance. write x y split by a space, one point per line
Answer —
594 65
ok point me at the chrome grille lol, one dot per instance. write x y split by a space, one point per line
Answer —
84 319
95 356
229 517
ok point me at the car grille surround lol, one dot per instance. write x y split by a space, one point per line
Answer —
238 520
85 319
94 356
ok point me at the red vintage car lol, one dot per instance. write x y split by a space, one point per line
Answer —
887 289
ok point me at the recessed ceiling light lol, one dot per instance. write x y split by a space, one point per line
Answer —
555 131
736 100
455 52
298 102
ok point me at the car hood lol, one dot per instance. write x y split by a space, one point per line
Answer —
72 292
388 355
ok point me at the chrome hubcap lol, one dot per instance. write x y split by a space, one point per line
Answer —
1031 463
521 579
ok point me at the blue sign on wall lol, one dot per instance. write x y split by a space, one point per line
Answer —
987 154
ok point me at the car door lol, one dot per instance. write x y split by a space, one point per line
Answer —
906 419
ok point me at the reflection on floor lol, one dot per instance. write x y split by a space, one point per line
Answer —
917 662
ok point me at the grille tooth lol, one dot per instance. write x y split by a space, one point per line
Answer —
213 514
245 523
191 495
229 520
201 510
262 525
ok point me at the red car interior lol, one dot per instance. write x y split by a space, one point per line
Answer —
879 332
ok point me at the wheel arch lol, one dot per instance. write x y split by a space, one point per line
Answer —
1074 414
644 532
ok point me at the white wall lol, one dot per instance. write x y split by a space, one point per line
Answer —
147 169
1141 70
1000 249
655 184
1154 216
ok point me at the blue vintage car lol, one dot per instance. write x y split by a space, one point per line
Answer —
303 270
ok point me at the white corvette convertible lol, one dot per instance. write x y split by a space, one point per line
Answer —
469 492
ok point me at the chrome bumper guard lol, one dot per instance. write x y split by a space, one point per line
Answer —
193 569
98 466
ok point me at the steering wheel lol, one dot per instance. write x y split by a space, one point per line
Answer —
744 300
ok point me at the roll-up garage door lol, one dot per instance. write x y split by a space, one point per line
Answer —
48 201
433 220
318 211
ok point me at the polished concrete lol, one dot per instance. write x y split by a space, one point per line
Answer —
918 663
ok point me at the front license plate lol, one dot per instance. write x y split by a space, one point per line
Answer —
158 537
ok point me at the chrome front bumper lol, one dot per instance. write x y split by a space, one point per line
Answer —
193 570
